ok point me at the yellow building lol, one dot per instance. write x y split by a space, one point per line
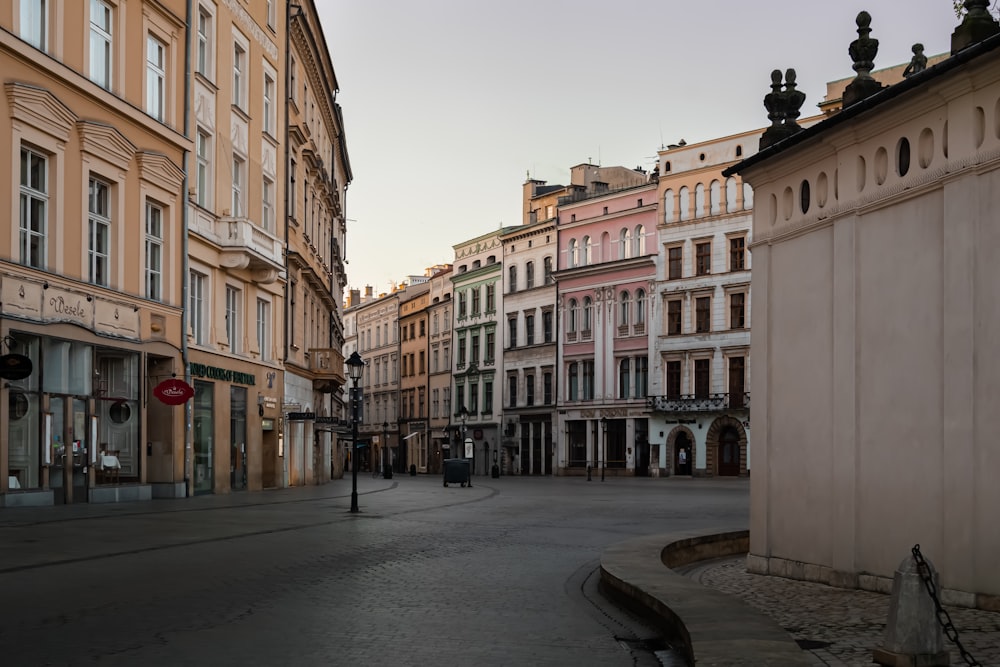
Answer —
90 281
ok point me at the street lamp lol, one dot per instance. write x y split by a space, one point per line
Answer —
355 367
465 415
385 446
604 430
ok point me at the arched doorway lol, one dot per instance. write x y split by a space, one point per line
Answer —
729 452
683 449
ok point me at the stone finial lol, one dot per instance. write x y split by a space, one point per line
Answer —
977 25
862 51
794 100
918 63
782 108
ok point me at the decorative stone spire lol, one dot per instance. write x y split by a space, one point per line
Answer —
977 25
782 108
862 51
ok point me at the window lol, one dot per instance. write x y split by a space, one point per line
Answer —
473 397
547 267
461 352
239 76
512 329
529 275
529 329
233 319
491 298
239 178
435 361
703 258
624 305
100 43
491 339
572 254
702 377
588 311
674 317
640 306
291 189
197 306
571 316
673 387
421 368
423 328
512 391
547 388
99 231
474 350
475 301
641 377
624 378
639 239
574 381
461 305
270 14
737 253
488 396
512 279
267 204
625 244
154 252
269 111
703 314
264 329
547 326
204 175
293 80
585 252
156 77
737 310
204 57
674 259
737 382
34 23
34 206
529 390
588 380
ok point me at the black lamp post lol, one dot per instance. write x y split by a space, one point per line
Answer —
355 367
385 447
604 430
465 415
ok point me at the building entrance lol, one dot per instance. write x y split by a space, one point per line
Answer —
68 476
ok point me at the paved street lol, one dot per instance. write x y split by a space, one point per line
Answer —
499 574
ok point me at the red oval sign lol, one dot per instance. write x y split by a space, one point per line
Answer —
173 391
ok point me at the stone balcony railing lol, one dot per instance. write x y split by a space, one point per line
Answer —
327 366
706 403
244 245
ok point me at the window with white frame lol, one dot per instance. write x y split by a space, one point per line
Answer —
34 206
239 75
233 299
640 306
239 179
99 231
34 23
624 306
203 184
267 204
100 43
264 329
154 251
269 110
156 77
270 14
197 306
204 60
588 313
571 316
624 378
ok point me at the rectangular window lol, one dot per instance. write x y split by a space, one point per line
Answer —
737 310
512 279
473 397
491 299
34 23
420 369
737 382
270 14
624 378
702 377
475 301
99 231
239 178
703 259
423 328
488 396
588 380
435 359
548 271
461 305
34 207
204 175
204 57
737 254
267 204
461 352
233 297
547 326
239 76
674 320
673 379
154 252
674 260
100 43
512 391
197 306
512 330
264 329
156 77
529 390
474 351
547 388
491 339
529 329
574 382
269 104
529 275
641 377
703 314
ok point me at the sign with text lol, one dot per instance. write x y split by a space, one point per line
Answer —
173 391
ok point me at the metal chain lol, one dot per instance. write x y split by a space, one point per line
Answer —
942 614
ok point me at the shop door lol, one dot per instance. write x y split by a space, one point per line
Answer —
729 453
682 454
238 438
68 476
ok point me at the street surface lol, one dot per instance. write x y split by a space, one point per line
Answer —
498 574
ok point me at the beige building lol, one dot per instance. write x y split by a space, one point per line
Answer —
91 283
318 175
412 449
439 372
874 365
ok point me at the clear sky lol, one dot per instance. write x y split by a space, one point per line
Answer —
449 104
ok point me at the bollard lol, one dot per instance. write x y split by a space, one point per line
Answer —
913 636
588 474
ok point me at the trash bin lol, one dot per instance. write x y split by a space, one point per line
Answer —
457 471
386 471
495 472
413 470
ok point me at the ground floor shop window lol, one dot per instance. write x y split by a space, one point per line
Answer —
203 433
577 436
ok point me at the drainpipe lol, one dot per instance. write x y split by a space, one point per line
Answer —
188 407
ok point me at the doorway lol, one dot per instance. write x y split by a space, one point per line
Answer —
682 454
729 452
237 438
68 477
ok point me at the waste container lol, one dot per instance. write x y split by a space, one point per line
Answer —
457 471
386 471
413 470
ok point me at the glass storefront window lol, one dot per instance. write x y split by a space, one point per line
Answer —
203 435
24 417
117 394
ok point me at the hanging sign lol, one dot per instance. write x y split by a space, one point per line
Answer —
173 391
14 367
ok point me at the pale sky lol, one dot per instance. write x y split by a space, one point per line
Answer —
449 104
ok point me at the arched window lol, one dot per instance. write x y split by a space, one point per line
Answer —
586 258
624 244
512 279
699 200
572 255
640 306
605 248
731 195
529 275
624 305
624 378
715 196
571 316
668 206
747 197
639 241
587 313
685 197
547 267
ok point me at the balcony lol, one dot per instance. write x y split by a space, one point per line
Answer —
243 245
707 403
327 366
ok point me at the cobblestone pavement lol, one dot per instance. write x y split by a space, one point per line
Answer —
499 574
844 625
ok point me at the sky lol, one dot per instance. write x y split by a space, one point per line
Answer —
449 105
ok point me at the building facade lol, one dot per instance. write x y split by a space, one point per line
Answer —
91 266
414 435
439 314
377 322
